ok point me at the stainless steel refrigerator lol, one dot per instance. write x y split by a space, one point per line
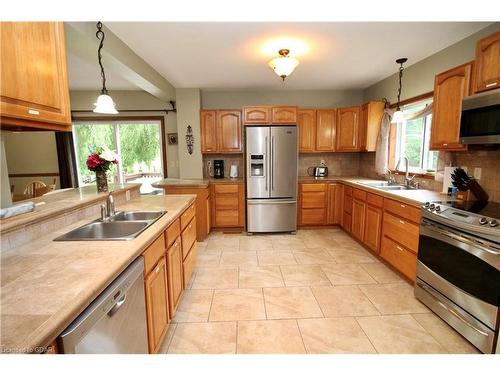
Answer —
271 157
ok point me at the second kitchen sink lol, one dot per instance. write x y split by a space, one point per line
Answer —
121 227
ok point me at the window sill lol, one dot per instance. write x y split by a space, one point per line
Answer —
426 175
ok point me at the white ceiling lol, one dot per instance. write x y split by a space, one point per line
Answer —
86 75
332 55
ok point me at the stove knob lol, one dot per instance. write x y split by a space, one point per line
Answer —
483 221
493 223
432 206
438 208
426 205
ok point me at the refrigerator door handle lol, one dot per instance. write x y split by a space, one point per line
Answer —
272 162
267 171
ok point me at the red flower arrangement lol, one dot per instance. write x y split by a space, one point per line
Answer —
101 159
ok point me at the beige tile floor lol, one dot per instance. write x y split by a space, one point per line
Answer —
318 291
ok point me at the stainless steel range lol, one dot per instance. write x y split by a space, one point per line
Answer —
458 268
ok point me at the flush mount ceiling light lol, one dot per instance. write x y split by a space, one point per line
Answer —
283 65
104 102
399 116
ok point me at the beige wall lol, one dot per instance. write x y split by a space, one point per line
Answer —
188 113
229 99
130 100
6 200
419 77
30 152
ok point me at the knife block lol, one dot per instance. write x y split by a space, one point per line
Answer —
478 191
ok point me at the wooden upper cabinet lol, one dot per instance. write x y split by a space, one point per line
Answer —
257 115
284 115
221 131
208 124
229 131
348 129
370 118
487 63
34 89
306 123
449 89
325 129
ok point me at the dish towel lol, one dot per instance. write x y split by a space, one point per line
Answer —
17 210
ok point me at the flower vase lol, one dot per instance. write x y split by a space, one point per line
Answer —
102 181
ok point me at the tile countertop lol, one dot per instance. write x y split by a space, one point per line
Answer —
45 285
200 183
413 197
64 200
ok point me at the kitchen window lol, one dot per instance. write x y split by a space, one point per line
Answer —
412 139
138 144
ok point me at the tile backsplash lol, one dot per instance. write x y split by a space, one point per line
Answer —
339 164
229 159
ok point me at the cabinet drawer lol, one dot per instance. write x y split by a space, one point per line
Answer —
313 187
359 194
402 259
227 218
348 204
153 253
402 209
227 202
172 232
374 200
348 190
188 237
189 264
187 216
402 231
226 188
313 216
313 200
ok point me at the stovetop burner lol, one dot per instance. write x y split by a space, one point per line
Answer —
490 209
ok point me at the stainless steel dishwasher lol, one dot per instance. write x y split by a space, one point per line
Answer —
115 322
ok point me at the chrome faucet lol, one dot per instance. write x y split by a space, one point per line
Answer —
110 205
408 180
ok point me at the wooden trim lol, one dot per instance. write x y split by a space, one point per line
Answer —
415 99
49 174
137 118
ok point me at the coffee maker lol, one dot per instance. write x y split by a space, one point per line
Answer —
218 168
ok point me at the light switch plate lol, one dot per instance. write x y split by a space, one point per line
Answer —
477 173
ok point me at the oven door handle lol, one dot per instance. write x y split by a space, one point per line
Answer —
451 311
460 238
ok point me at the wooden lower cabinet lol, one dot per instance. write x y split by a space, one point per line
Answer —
373 227
174 275
228 205
189 264
399 257
358 219
335 192
188 238
312 203
157 305
347 209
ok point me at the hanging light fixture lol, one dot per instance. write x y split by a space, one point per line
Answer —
283 65
399 116
104 102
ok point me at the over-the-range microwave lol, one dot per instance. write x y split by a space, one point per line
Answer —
480 120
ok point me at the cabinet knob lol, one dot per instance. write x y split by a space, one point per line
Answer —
402 222
399 248
33 112
157 269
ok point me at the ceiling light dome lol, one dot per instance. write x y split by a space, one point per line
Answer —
283 65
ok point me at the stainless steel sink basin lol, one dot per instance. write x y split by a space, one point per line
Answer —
106 231
384 185
125 225
396 187
375 184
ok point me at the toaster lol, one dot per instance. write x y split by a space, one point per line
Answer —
320 171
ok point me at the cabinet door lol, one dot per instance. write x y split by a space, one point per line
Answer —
358 218
334 203
363 126
370 118
306 122
284 115
157 304
325 129
449 89
348 129
257 115
373 227
174 264
229 131
488 63
347 212
208 119
34 89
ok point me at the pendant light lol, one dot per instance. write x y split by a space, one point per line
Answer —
399 116
104 102
283 65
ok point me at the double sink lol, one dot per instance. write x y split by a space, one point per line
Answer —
125 225
384 185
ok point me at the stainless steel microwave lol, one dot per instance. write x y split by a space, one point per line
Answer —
480 120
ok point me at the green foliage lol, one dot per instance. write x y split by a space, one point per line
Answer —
140 143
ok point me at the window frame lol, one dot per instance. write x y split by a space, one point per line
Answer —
129 119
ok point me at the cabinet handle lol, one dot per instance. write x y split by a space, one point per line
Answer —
402 222
157 269
402 206
33 112
491 84
445 144
399 248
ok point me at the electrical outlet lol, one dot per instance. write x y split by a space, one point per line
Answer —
477 173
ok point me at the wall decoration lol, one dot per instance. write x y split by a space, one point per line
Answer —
189 139
172 138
